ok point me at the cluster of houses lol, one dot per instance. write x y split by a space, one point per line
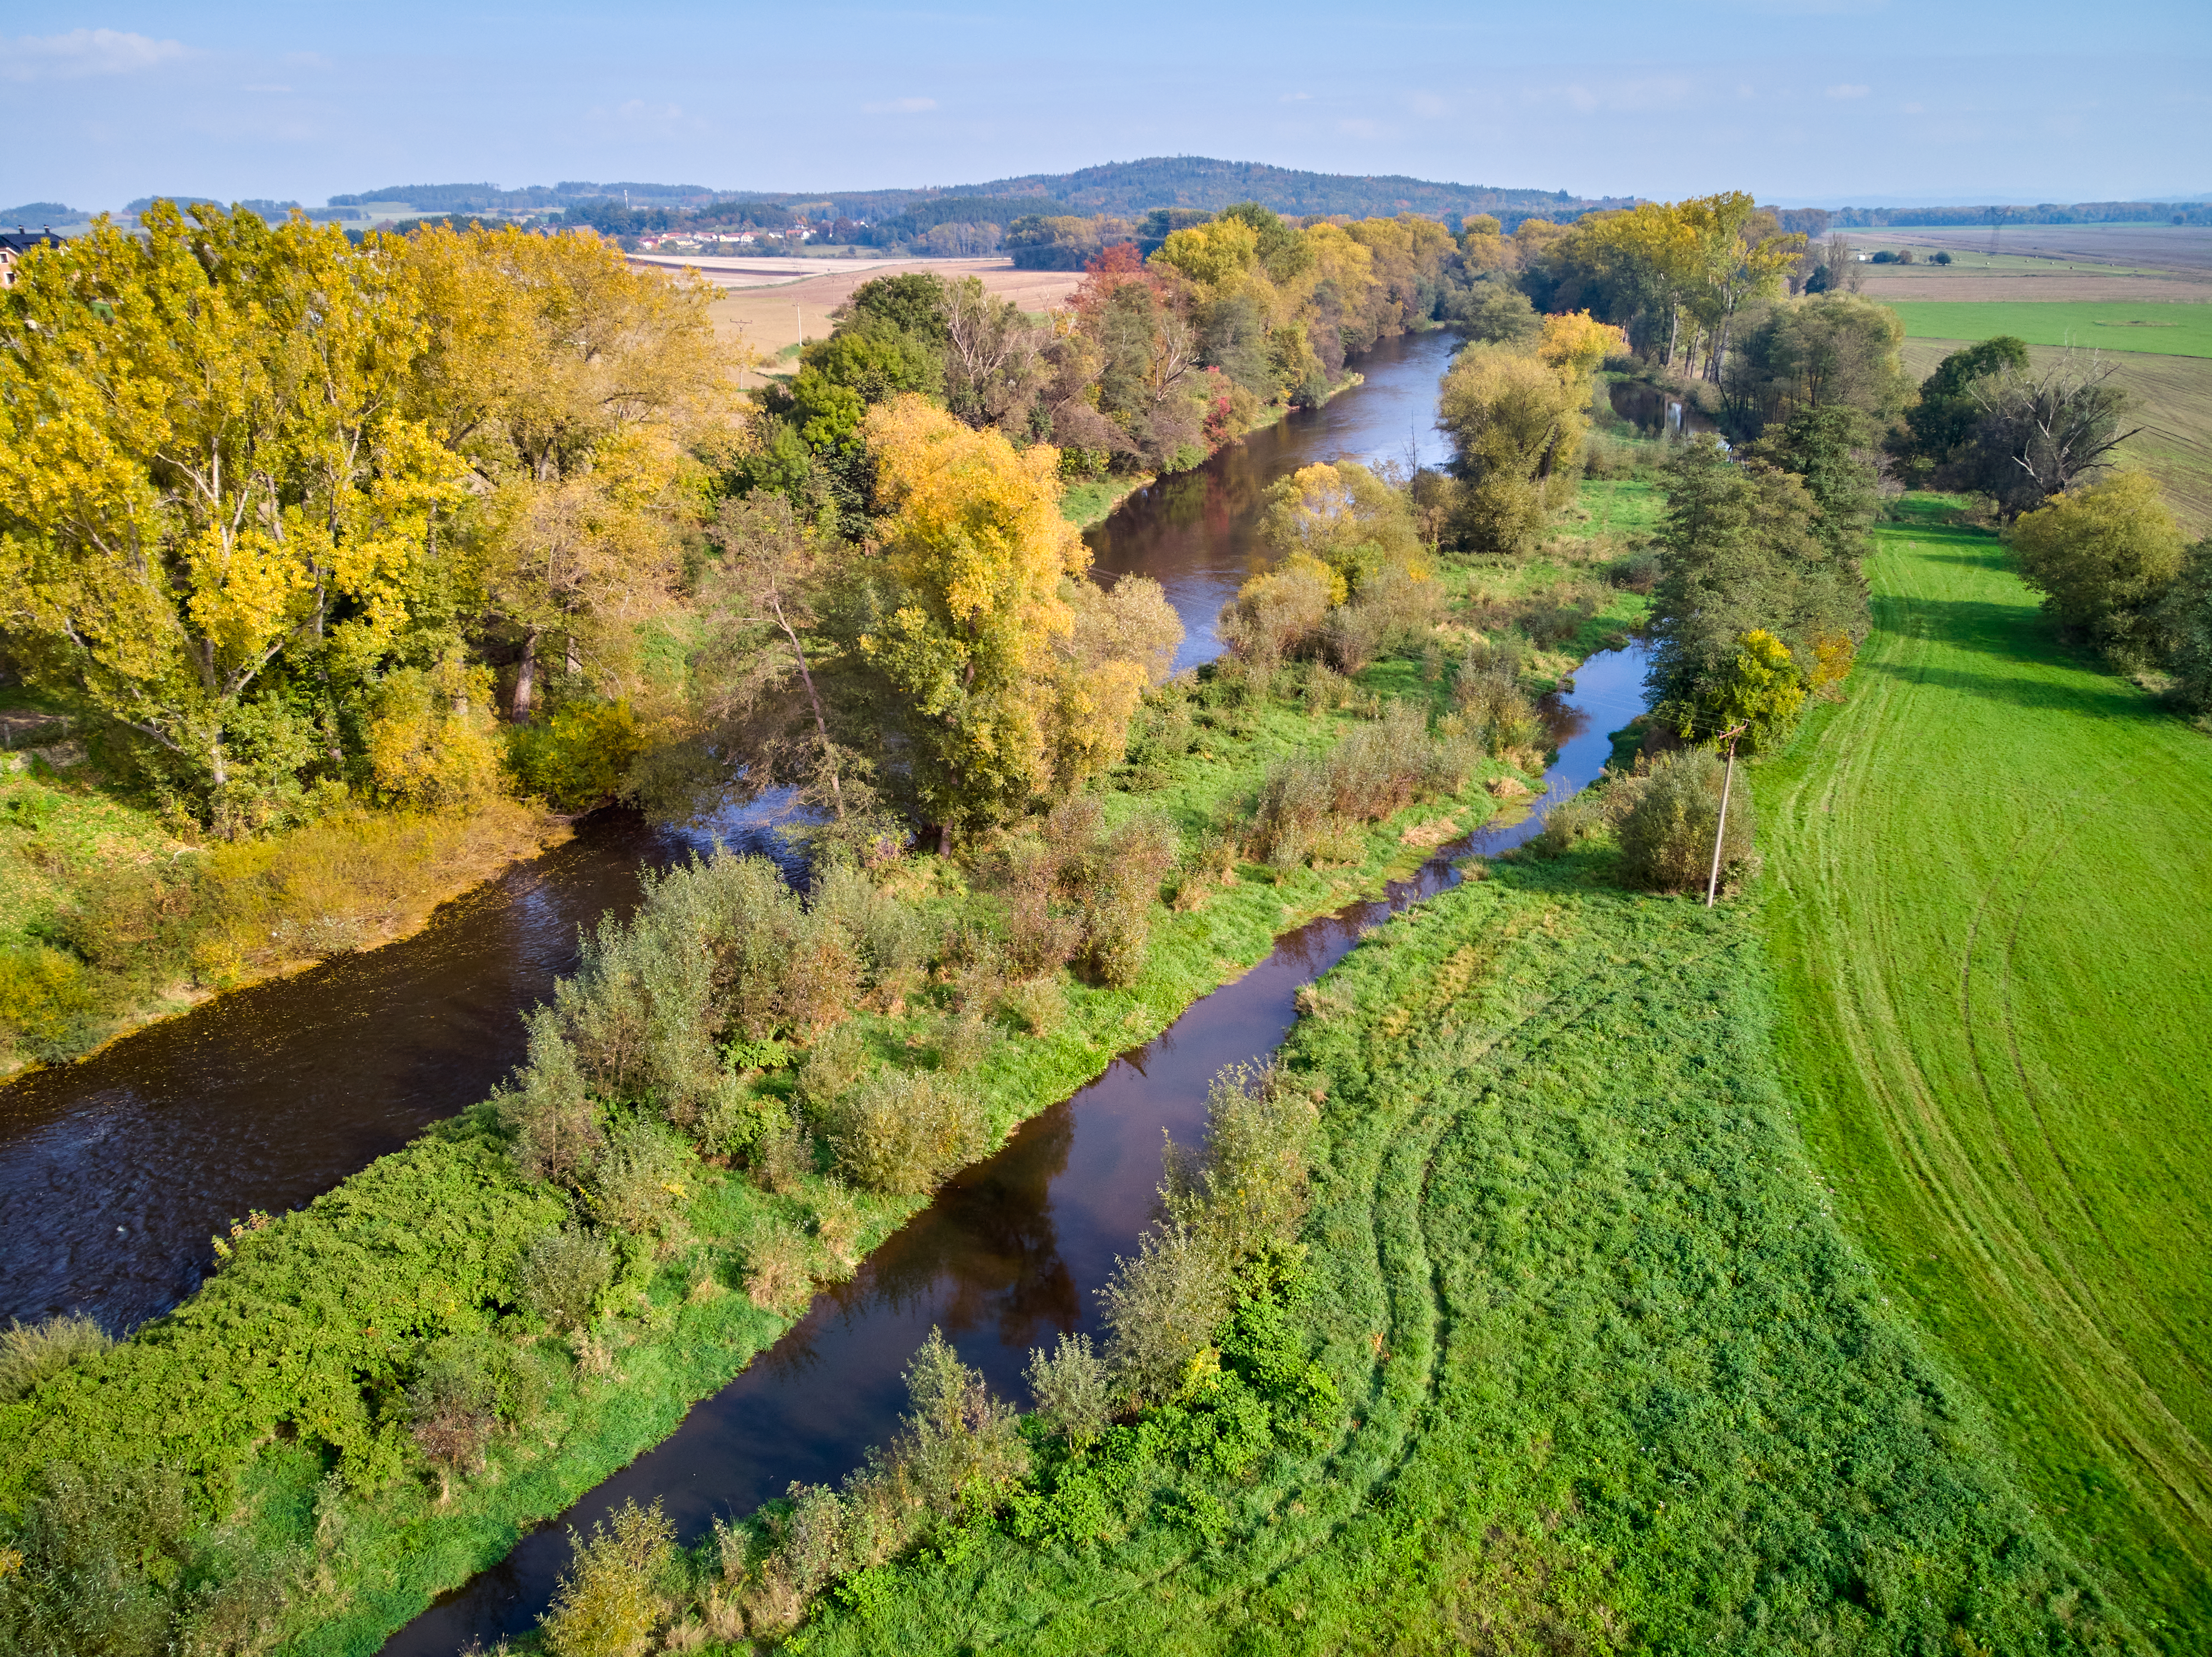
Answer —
690 241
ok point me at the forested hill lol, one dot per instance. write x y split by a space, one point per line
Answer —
1195 181
1203 182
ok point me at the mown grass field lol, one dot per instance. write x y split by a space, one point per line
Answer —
1992 875
1614 1379
2165 329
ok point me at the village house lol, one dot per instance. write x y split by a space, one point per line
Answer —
14 244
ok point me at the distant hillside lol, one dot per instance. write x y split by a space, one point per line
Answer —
1119 187
1202 182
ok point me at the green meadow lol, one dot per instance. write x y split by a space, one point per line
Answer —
1614 1378
2164 329
1992 875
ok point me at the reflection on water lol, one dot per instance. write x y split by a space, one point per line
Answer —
1011 1253
114 1171
1656 411
1193 532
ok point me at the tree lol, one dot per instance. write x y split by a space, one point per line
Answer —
2043 435
977 547
1576 342
208 460
1830 448
991 365
1761 692
1833 351
1344 516
2184 624
1517 430
1944 419
1740 551
2101 556
1742 254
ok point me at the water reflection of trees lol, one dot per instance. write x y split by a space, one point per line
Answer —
986 1252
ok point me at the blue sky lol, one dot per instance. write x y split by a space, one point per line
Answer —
1801 101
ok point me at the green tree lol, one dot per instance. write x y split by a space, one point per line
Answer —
1943 420
2102 555
1762 693
206 461
1740 550
2184 620
1830 448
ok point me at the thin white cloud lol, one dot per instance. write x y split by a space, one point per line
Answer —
1849 90
265 88
84 52
1298 98
1428 105
900 106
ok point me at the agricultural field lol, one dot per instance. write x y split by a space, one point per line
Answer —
2172 402
2181 330
1612 1376
2138 248
1988 866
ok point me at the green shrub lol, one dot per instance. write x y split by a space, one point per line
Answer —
902 1132
641 1178
1039 1005
615 1592
779 1270
32 1352
1666 829
1074 1389
1162 1306
550 1115
562 1275
1498 715
1306 804
103 1563
834 1063
1247 1181
959 1448
578 759
47 998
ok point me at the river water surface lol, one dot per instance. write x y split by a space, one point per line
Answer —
115 1170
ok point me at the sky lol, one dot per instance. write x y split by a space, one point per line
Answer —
1803 101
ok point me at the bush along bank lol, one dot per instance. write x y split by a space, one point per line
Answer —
1570 1354
738 1094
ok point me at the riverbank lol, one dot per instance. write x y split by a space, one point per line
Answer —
110 924
1995 998
1612 1376
687 1320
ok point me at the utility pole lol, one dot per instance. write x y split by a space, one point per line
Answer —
1720 833
801 315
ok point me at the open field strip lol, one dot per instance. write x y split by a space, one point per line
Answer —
2163 329
1992 875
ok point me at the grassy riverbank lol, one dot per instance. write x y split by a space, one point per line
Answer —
109 922
1990 862
250 1388
1614 1378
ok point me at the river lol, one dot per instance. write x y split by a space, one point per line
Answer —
117 1169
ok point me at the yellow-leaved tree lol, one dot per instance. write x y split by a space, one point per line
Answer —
1516 426
208 456
1013 681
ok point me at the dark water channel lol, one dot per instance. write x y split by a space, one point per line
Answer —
1655 411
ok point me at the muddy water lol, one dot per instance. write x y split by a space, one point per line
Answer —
114 1171
1011 1253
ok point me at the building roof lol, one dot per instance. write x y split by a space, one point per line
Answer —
20 240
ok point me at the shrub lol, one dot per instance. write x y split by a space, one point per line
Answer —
47 999
433 738
1162 1307
2101 555
640 1180
1305 803
783 1158
32 1352
1247 1181
452 1408
555 1126
1120 889
1666 830
1037 1004
100 1559
779 1274
832 1065
960 1447
820 977
1041 933
964 1039
561 1276
581 757
1499 716
1074 1389
901 1132
613 1594
895 938
1567 825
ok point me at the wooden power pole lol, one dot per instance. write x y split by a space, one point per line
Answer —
1720 832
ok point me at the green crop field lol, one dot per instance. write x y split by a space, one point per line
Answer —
1993 877
2165 329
